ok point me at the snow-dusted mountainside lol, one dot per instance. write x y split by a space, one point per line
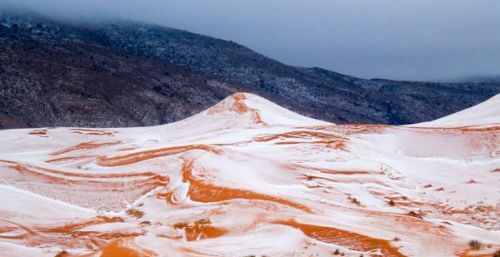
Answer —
126 74
249 178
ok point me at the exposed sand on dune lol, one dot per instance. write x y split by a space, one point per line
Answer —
249 178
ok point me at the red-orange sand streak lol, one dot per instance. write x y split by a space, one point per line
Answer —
200 191
237 105
334 141
348 239
494 128
93 132
85 145
467 253
67 228
39 132
38 170
352 129
119 248
69 234
151 154
200 229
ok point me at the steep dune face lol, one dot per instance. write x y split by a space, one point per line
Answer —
485 113
249 178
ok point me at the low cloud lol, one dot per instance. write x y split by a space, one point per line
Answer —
405 39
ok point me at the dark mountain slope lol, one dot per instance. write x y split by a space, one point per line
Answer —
75 84
137 86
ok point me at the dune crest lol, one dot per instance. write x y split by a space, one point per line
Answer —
247 177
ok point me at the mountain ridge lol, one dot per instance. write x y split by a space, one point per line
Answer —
221 68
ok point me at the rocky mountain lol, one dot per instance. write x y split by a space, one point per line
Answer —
55 73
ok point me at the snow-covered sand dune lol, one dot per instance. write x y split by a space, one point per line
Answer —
249 178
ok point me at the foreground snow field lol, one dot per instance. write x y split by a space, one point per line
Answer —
249 178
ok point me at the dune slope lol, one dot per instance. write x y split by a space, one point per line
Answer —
249 178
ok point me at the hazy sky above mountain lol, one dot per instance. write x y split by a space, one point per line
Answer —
398 39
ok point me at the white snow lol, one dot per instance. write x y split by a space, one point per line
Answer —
223 182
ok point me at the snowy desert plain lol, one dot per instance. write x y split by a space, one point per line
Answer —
249 178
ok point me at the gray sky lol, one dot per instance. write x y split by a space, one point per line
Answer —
397 39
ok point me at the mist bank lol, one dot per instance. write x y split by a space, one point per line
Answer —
405 40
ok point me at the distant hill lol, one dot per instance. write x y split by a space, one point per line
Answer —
483 79
55 73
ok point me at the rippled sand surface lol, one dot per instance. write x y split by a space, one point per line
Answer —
249 178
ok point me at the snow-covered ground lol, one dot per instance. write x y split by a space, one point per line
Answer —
249 178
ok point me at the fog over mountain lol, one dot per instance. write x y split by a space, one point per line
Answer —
410 40
118 74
